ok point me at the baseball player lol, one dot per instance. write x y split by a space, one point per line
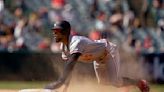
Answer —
103 54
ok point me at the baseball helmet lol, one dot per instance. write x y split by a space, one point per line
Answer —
63 25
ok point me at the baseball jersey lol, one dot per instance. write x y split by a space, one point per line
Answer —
90 50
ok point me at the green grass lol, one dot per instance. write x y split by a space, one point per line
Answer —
154 88
157 88
21 84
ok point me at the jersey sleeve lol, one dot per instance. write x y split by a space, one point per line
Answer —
76 46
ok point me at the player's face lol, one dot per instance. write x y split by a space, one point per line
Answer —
57 35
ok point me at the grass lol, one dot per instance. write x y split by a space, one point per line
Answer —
21 84
157 88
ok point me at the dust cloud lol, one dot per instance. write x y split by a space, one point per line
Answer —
84 79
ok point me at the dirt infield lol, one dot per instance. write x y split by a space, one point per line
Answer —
79 88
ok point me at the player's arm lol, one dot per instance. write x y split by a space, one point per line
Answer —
67 71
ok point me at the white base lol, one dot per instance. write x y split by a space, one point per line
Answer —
35 90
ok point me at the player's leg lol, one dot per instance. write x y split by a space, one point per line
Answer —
114 67
101 72
103 76
115 79
119 81
107 71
